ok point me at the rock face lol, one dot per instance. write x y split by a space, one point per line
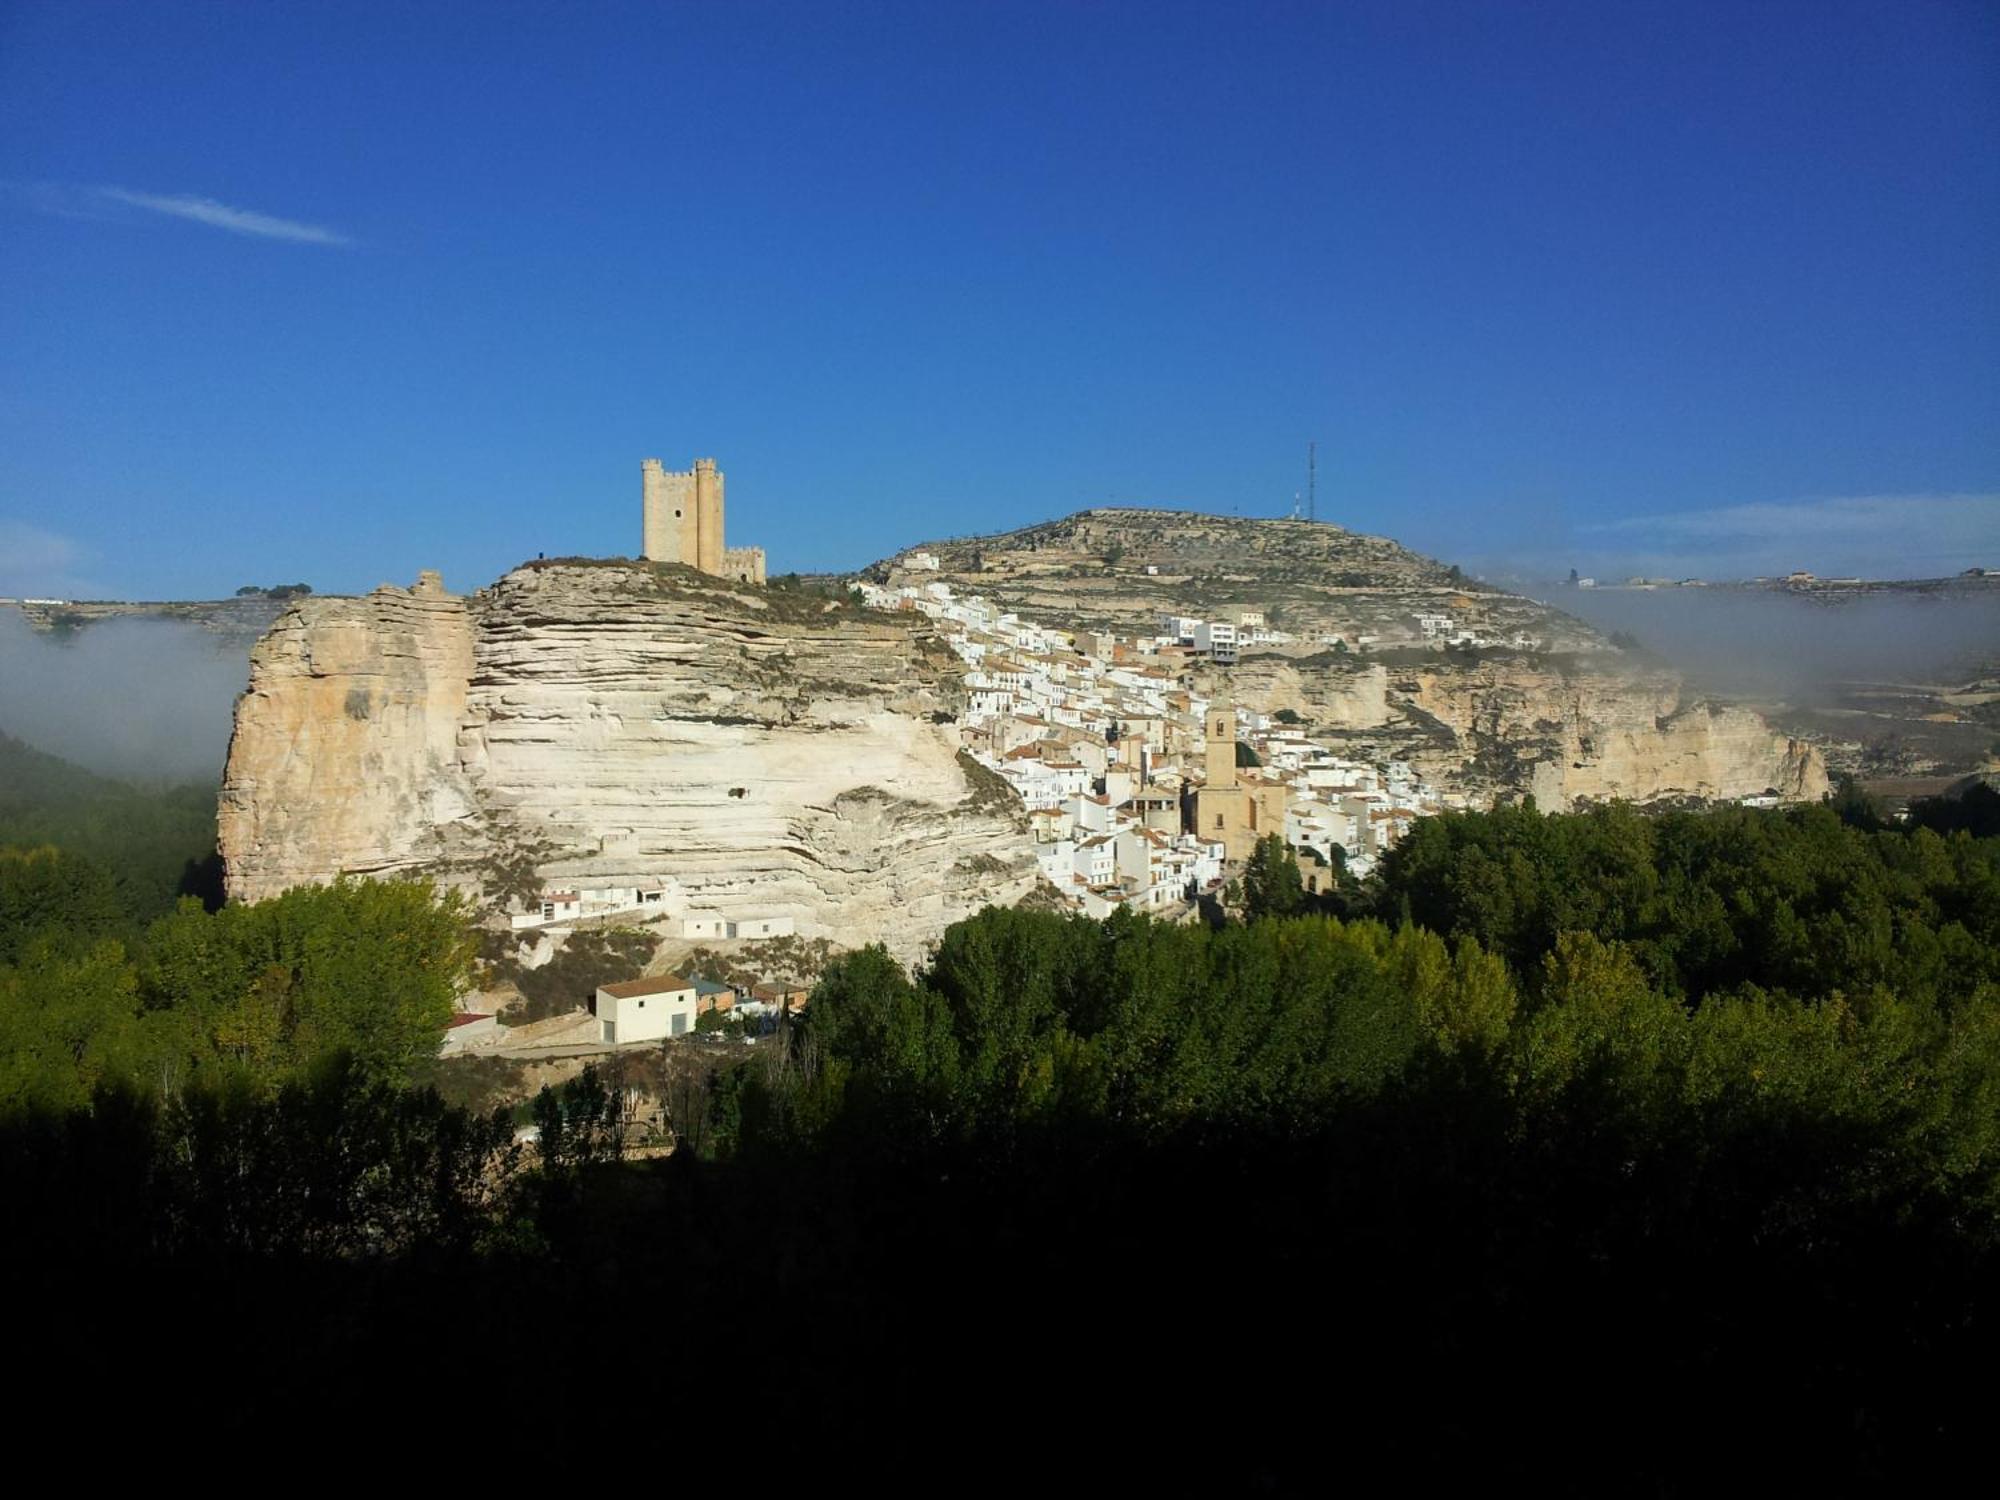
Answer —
345 752
1565 731
1567 716
1571 736
616 724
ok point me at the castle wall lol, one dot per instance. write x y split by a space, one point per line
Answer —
708 511
682 522
670 520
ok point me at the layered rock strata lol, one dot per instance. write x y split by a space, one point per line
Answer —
1557 710
763 753
1563 730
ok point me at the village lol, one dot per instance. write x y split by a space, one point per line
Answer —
1141 793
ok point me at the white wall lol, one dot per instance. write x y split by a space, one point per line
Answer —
763 927
645 1018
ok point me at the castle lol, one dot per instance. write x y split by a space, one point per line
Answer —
682 514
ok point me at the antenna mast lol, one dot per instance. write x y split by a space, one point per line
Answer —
1312 481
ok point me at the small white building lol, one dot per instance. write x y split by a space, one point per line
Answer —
555 906
1217 638
645 1010
763 927
1096 860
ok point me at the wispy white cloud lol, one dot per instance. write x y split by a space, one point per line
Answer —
222 216
65 200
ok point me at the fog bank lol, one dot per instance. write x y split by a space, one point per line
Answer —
149 699
1765 643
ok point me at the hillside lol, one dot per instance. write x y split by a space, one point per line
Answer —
155 843
1545 705
1090 570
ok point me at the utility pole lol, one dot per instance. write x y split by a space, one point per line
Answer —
1312 481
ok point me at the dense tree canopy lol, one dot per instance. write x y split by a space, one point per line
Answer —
1797 901
362 969
1585 1120
153 845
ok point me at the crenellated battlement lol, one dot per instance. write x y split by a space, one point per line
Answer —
681 520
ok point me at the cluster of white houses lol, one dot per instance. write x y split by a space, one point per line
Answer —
660 900
1131 779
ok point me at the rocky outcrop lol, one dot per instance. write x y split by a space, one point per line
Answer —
1571 735
345 751
1556 710
1565 730
607 724
1331 691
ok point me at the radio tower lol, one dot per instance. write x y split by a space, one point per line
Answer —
1312 481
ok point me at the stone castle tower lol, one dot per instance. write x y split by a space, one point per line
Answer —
682 521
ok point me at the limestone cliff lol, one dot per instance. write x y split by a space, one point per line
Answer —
1566 730
607 724
345 751
1557 710
1571 736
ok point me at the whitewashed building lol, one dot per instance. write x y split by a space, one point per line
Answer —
645 1010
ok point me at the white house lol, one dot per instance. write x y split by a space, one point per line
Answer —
1097 860
763 927
1058 862
645 1010
1217 638
1091 814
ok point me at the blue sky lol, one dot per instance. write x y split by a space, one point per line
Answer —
337 292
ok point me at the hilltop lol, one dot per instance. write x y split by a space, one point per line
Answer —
1110 568
1385 653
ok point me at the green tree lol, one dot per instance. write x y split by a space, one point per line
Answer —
1855 807
69 1020
1271 883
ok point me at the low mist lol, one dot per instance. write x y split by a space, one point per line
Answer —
144 699
1758 643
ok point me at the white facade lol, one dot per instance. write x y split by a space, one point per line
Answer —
645 1010
1215 637
763 927
1097 860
